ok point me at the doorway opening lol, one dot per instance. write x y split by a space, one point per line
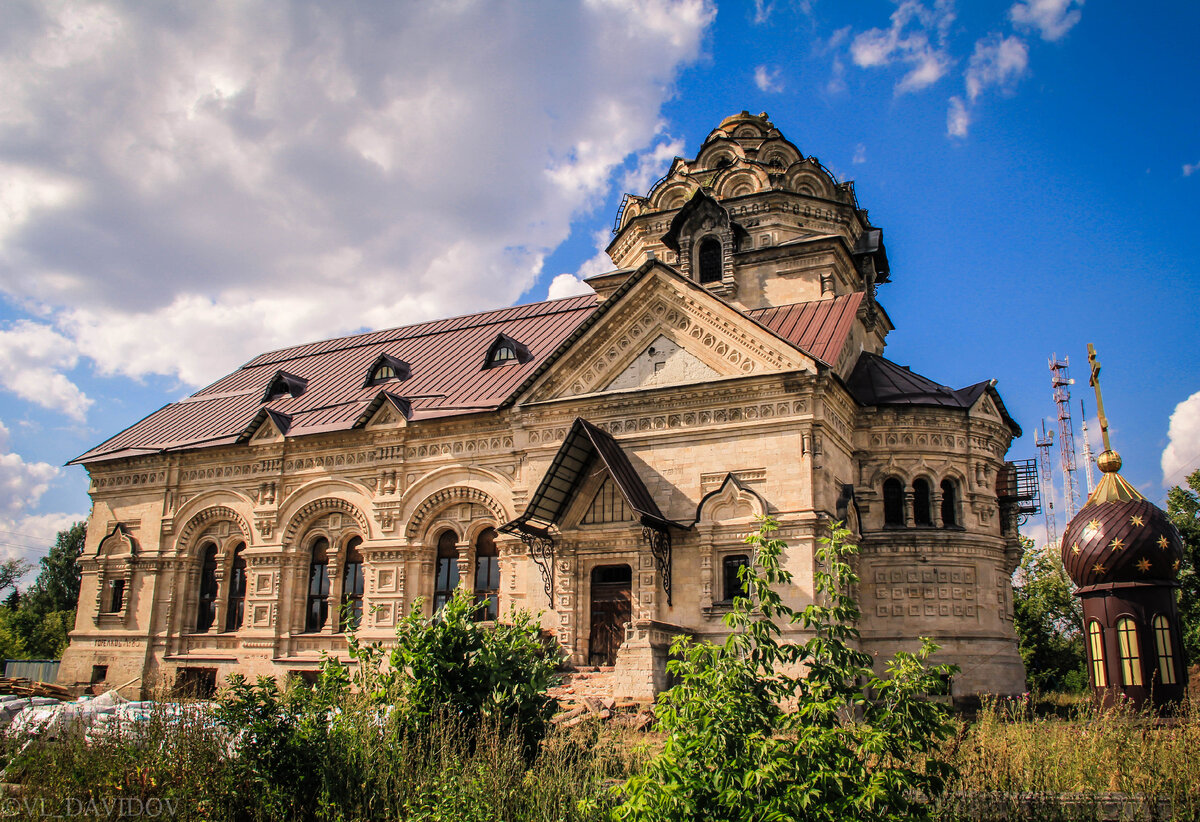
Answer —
612 609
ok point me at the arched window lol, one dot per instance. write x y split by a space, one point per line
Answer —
1166 653
1096 646
949 504
235 609
317 612
893 502
447 569
207 612
352 587
709 263
733 585
922 503
1131 656
502 354
487 576
382 373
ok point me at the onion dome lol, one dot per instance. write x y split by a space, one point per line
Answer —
1120 536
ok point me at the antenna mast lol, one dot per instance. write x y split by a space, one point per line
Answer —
1044 443
1061 381
1088 459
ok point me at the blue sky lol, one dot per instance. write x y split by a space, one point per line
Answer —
183 186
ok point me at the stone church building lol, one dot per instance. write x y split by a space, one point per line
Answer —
598 460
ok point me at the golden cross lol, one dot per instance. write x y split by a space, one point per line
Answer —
1095 383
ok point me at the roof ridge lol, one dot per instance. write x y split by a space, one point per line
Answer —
258 361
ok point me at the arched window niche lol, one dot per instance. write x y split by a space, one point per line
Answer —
1096 654
487 576
922 503
893 502
206 611
316 612
446 579
353 585
950 504
235 608
1164 644
1130 652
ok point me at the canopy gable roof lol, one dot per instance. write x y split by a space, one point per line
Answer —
584 444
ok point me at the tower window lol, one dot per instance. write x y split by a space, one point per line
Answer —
949 504
709 263
1131 657
893 502
922 503
1166 653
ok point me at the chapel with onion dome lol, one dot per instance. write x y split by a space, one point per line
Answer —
1123 554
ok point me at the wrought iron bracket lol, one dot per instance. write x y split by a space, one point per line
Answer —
660 547
541 551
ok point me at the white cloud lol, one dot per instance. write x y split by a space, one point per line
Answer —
957 118
860 154
762 11
652 165
32 359
185 188
600 262
1190 168
1051 18
767 79
1182 454
917 36
996 62
568 285
22 483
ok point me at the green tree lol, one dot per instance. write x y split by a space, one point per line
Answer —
1183 508
1048 618
761 729
46 612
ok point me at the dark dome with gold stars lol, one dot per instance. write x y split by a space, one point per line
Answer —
1120 536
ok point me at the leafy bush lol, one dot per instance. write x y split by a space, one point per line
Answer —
758 729
498 674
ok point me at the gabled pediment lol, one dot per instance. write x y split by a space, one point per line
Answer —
267 426
706 338
386 410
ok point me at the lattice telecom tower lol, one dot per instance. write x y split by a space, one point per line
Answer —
1087 450
1044 443
1061 381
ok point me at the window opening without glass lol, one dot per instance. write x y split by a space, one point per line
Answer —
733 586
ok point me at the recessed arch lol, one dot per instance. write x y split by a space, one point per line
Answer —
435 502
202 521
325 505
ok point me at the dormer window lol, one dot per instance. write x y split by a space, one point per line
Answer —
386 369
284 383
506 351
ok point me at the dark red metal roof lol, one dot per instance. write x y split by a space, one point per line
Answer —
446 358
819 327
328 388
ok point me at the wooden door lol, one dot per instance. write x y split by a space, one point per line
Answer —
612 609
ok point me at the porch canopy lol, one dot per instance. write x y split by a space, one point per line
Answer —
584 444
